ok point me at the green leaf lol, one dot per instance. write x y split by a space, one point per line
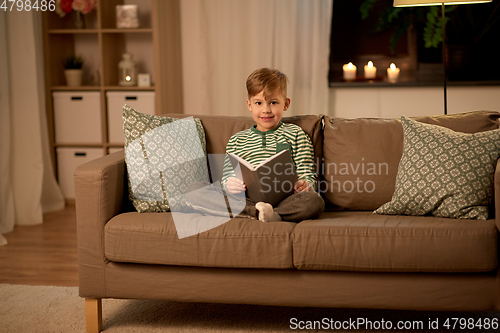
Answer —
365 8
431 18
400 31
394 14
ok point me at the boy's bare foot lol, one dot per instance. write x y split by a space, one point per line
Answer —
266 212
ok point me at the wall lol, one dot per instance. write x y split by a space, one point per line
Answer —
393 102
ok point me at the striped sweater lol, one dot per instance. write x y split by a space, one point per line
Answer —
255 146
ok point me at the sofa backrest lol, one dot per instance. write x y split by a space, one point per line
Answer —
219 129
361 156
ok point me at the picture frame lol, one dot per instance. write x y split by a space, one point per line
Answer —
144 80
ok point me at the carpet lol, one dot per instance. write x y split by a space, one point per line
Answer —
59 309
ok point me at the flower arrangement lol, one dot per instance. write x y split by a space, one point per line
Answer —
64 7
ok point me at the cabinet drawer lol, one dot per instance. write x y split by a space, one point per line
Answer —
68 159
77 117
142 101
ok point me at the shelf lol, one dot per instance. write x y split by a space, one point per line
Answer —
72 31
155 46
120 88
80 88
95 31
412 83
126 31
78 145
98 88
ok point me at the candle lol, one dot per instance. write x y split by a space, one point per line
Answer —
370 71
393 73
349 71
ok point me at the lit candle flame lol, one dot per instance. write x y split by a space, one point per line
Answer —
349 65
370 64
128 78
393 67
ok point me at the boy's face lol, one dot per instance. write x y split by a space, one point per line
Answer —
267 113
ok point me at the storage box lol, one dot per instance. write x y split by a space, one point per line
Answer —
142 101
68 159
77 117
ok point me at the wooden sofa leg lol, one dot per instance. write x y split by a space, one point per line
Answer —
93 315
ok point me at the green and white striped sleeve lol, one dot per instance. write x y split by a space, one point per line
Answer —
303 157
228 170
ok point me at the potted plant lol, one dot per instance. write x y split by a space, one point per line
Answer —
405 20
73 70
466 29
470 39
400 19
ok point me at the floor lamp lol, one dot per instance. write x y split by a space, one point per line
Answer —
413 3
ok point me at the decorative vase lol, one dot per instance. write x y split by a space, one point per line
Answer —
79 23
73 77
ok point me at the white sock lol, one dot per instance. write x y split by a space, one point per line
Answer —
266 212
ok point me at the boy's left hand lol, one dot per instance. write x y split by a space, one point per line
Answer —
302 186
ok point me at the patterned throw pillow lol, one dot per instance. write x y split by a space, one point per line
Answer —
163 156
444 173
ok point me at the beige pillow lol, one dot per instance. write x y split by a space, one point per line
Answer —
361 156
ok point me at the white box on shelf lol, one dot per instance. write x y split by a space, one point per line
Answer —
77 117
127 16
142 101
68 159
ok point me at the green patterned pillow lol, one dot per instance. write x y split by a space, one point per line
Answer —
444 173
163 156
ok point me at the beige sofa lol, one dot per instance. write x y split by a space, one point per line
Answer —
348 258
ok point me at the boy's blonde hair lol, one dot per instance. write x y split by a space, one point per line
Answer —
267 80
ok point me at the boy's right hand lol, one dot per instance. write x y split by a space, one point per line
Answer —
235 185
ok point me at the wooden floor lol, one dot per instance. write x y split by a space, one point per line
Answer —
44 254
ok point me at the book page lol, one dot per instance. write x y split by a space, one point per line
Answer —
242 161
270 158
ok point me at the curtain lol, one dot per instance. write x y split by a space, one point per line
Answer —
223 41
27 185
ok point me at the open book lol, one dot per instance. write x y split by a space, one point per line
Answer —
271 181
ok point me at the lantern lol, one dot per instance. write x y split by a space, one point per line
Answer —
127 72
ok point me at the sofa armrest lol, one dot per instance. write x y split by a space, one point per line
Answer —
99 192
496 196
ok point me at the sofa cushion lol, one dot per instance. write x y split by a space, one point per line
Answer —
362 241
218 130
151 238
444 173
361 156
163 155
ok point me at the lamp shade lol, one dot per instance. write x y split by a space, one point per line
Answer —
412 3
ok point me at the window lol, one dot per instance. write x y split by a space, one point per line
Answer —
356 40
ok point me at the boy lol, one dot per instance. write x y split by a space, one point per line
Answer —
267 100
